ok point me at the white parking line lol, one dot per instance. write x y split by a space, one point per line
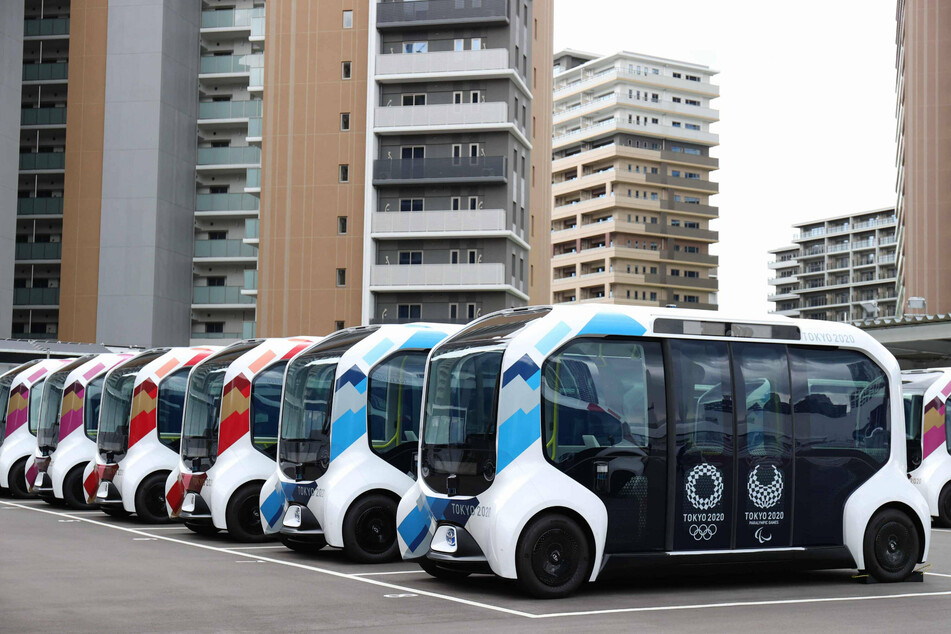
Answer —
938 574
363 578
258 548
166 528
390 572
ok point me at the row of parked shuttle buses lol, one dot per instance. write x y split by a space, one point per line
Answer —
549 444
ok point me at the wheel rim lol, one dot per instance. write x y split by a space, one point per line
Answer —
892 546
155 500
250 517
555 557
375 530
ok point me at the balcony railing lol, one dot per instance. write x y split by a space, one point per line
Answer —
253 178
220 295
439 170
35 296
39 206
226 18
442 115
220 64
39 250
255 127
43 161
229 155
217 335
226 202
43 116
250 279
230 109
489 274
443 62
52 71
224 249
391 15
46 26
438 221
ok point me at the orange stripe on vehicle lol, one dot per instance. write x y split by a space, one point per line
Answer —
165 369
262 361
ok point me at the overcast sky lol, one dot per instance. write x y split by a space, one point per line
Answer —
807 109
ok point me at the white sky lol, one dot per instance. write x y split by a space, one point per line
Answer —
807 109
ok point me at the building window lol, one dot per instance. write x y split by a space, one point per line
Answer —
413 152
459 45
409 311
475 96
216 281
473 203
470 311
473 256
341 277
411 204
338 325
454 256
345 69
343 173
345 121
453 311
411 257
341 225
414 100
476 43
214 326
348 19
415 47
456 203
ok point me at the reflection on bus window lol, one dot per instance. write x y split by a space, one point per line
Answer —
266 408
395 393
763 371
841 402
91 402
595 394
36 398
171 406
703 396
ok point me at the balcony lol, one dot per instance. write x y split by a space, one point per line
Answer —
226 19
224 157
39 250
226 202
424 13
224 249
564 89
42 116
51 71
399 67
220 295
606 126
403 224
431 277
250 282
224 64
46 27
683 183
474 169
691 258
36 297
690 208
39 206
42 161
217 335
252 228
397 119
230 109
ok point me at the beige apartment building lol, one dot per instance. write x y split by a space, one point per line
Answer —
923 90
631 181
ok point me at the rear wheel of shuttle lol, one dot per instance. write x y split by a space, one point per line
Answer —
73 491
944 506
150 499
553 557
369 530
202 529
307 548
18 480
892 546
435 570
244 514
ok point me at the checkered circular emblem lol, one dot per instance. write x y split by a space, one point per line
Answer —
766 494
709 479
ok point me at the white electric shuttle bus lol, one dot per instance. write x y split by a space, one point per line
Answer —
6 381
66 434
229 437
349 422
928 434
23 413
140 432
558 442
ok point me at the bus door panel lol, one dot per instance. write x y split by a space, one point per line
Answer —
704 470
764 466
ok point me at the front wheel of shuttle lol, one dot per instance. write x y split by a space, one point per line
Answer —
244 515
150 500
433 569
202 529
304 547
73 491
18 480
944 507
369 530
553 557
891 546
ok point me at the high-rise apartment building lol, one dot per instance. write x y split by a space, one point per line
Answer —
923 91
389 161
842 268
406 171
631 181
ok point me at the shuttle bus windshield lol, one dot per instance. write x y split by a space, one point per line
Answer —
5 383
304 451
458 450
913 401
92 400
47 434
202 411
114 411
171 403
36 399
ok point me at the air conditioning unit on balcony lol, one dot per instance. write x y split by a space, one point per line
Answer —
54 283
56 238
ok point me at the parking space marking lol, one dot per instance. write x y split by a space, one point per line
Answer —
389 572
166 528
938 574
260 548
364 578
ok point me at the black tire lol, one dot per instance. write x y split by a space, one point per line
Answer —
52 500
433 569
243 516
73 491
553 558
114 511
369 530
150 499
309 547
944 506
891 546
202 529
18 480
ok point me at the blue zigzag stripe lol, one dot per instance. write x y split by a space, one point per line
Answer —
346 430
555 335
424 339
377 351
414 528
612 324
273 507
524 368
355 376
517 433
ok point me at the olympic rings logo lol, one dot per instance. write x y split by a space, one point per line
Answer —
703 532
